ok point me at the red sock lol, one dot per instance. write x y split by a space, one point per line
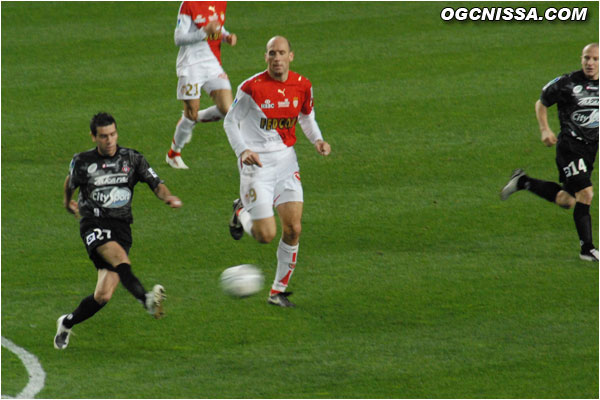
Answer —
173 154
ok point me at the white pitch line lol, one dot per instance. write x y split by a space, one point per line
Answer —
37 376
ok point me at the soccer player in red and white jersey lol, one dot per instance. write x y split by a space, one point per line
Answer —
199 34
260 127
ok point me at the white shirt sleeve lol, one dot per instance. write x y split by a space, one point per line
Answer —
184 35
310 127
238 111
224 33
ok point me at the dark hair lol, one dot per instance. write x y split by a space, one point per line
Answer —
101 119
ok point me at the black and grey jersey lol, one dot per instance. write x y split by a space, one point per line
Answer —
106 183
576 97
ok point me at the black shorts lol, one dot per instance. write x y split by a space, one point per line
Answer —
97 231
575 161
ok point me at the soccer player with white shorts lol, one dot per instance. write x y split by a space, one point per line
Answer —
260 127
199 34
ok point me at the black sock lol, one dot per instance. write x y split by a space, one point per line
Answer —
131 283
583 223
544 189
87 308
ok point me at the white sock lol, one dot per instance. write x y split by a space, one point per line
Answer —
183 134
286 263
210 114
246 221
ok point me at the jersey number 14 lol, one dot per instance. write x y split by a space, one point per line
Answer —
572 169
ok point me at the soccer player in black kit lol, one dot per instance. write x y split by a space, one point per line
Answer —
106 176
576 95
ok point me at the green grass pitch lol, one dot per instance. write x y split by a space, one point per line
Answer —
413 281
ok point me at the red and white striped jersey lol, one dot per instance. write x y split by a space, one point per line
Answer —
195 46
265 111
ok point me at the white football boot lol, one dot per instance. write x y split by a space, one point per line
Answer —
154 300
61 340
176 162
511 186
590 255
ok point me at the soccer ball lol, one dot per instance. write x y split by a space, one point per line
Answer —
242 280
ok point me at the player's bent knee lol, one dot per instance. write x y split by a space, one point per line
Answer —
565 200
585 196
223 109
291 232
192 115
102 298
264 236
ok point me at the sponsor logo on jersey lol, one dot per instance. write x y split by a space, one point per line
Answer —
267 104
577 89
154 174
587 118
112 197
551 82
90 238
199 19
109 165
110 179
283 104
588 102
214 36
591 88
92 168
282 91
274 123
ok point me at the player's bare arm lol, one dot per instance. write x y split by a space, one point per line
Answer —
323 148
231 39
164 194
249 157
70 204
541 112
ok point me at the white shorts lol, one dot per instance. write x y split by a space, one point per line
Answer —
275 183
209 78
